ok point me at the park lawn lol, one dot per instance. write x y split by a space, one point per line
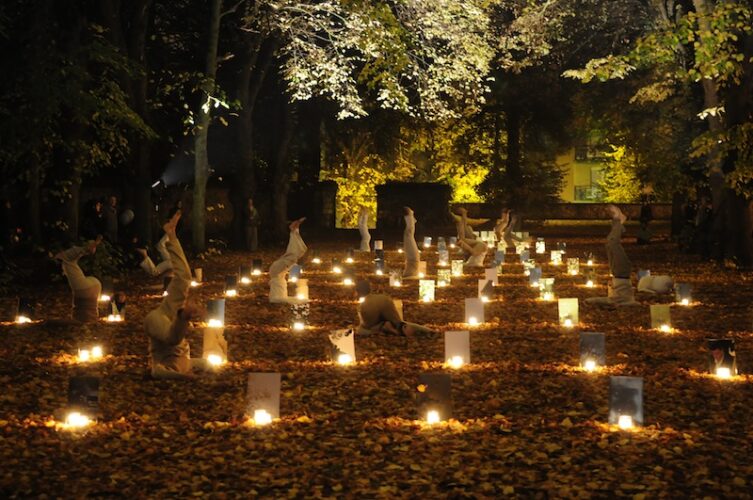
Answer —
527 420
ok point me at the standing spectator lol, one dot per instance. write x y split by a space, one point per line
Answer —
251 221
111 219
93 224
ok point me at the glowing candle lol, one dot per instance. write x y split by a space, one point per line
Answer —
590 262
256 272
195 283
399 250
573 272
96 352
301 296
568 323
22 319
349 260
379 272
104 298
484 298
164 294
262 417
316 260
215 360
589 365
432 417
215 323
535 284
84 355
397 283
473 320
337 269
455 362
344 359
293 279
625 422
245 280
421 275
76 419
685 302
298 325
665 328
348 282
723 372
548 296
361 300
590 283
426 245
231 293
114 318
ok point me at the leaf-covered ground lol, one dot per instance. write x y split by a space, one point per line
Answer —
527 421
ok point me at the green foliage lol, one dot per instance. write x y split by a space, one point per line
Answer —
621 183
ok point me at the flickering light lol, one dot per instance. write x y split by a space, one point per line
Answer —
490 245
231 293
96 352
568 323
590 262
75 420
556 262
195 283
685 302
379 272
164 294
397 283
104 298
215 360
452 245
473 320
421 275
349 260
573 272
22 319
293 279
589 365
432 417
456 273
215 323
426 245
548 296
344 359
348 281
301 296
316 260
456 362
399 250
337 269
298 326
590 283
245 280
723 372
114 318
665 328
484 298
262 417
534 284
256 272
84 355
625 422
361 300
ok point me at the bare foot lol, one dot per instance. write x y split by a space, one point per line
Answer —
296 224
170 226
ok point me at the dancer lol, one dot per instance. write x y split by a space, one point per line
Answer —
508 236
86 289
410 248
363 228
476 249
148 265
168 324
464 225
620 291
278 286
378 314
501 225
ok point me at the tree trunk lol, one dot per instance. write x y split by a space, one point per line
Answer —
35 205
513 173
283 170
201 131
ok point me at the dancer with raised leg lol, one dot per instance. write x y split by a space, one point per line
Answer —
278 285
86 289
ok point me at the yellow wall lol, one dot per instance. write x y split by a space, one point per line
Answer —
576 173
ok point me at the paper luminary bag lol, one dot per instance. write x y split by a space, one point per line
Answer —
379 254
302 289
521 248
216 313
540 246
214 344
198 274
592 348
568 312
244 272
642 273
263 395
453 241
626 401
499 257
343 346
441 244
562 247
457 348
434 397
256 266
427 241
379 266
350 255
379 245
524 256
722 357
490 274
457 267
337 268
443 277
421 268
83 395
474 311
295 273
444 258
683 293
591 278
534 277
573 266
231 285
485 290
660 317
546 288
556 257
299 315
396 278
527 266
426 290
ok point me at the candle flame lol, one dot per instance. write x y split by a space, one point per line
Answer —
625 422
215 360
298 325
215 323
432 417
262 417
723 372
23 319
344 359
76 420
456 362
589 365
